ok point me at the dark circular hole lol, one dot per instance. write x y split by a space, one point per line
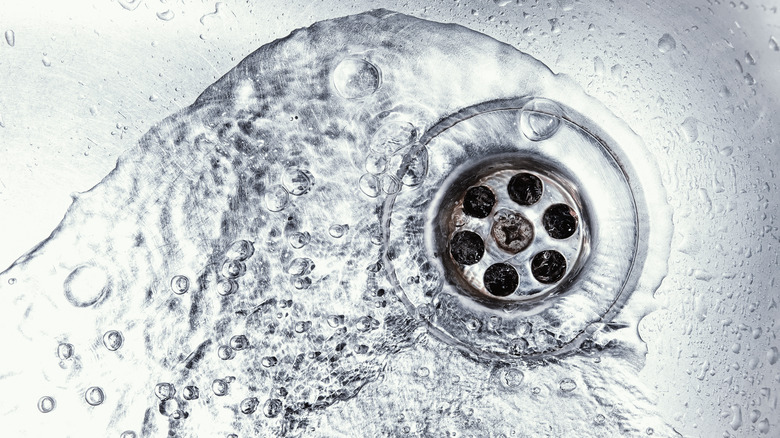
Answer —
525 189
560 221
548 266
467 247
501 279
479 202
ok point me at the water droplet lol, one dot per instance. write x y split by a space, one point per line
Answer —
220 387
763 426
240 250
46 404
772 355
540 119
568 385
689 129
355 78
86 285
239 342
233 268
10 37
128 434
772 44
269 361
299 239
153 97
130 5
166 15
272 407
249 405
376 163
598 66
191 392
300 266
666 43
164 391
225 352
599 420
749 58
755 414
337 231
226 286
297 182
417 167
113 340
502 3
369 185
94 396
180 284
64 351
555 26
649 431
276 198
46 61
208 17
11 281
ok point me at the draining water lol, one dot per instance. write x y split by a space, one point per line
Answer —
343 223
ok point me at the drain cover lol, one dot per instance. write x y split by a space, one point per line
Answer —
523 232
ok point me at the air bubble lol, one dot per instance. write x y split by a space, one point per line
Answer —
375 163
501 279
276 198
269 361
46 404
128 433
466 247
225 352
392 137
560 221
355 78
300 266
220 387
239 342
370 186
548 266
113 340
390 184
302 326
299 239
511 378
335 320
525 189
540 119
272 407
297 182
130 5
240 250
191 393
64 351
86 285
478 202
302 283
233 269
249 405
94 396
164 391
226 286
180 284
567 385
337 231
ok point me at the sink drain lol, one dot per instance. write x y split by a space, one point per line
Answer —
523 233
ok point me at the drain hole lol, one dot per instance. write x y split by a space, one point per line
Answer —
479 202
467 247
512 231
548 266
501 279
560 221
525 189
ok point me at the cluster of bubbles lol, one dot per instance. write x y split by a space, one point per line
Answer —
295 182
393 146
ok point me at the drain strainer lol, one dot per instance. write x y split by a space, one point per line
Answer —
523 232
